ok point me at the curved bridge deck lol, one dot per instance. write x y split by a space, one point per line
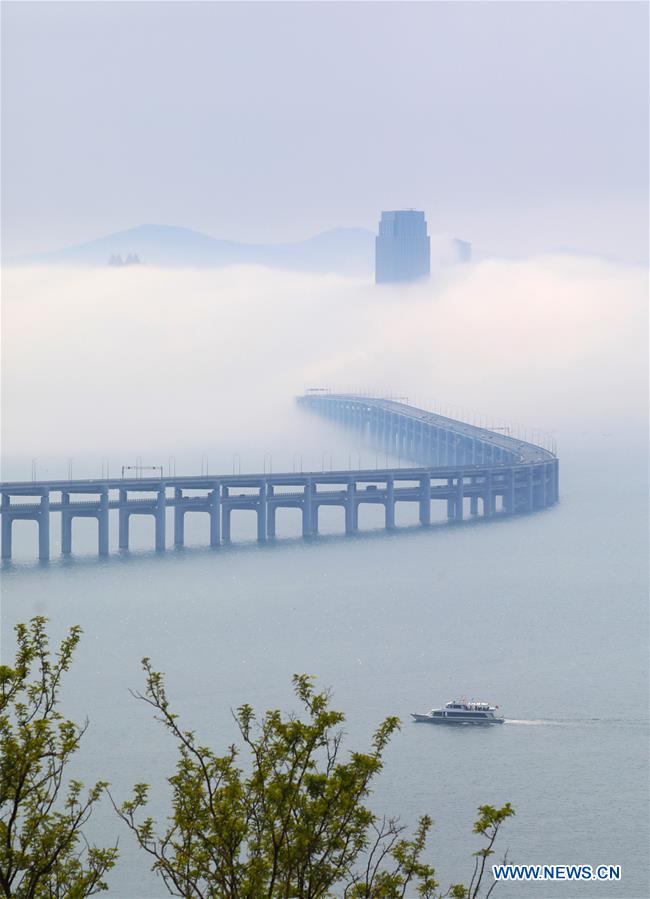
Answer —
473 470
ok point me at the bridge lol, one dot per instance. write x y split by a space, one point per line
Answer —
472 469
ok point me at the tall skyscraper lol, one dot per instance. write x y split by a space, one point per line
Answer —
402 249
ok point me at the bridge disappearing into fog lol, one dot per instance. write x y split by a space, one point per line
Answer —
473 470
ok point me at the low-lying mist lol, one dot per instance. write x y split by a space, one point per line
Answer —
148 362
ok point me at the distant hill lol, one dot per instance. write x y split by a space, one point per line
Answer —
342 250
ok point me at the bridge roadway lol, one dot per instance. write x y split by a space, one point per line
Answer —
469 468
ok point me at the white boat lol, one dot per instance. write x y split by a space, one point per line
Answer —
463 711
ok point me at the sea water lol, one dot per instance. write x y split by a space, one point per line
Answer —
544 614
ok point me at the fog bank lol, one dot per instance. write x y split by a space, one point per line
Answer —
149 360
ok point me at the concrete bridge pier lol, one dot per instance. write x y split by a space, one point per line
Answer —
225 516
66 525
6 527
160 520
215 515
179 518
270 522
459 499
390 503
509 503
314 518
350 509
225 524
44 527
425 501
261 515
123 533
549 495
307 510
488 497
102 524
451 502
540 499
530 505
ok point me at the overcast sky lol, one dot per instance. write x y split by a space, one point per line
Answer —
521 127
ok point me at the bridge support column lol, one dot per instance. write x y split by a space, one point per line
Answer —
123 514
460 496
529 489
215 515
225 523
473 505
44 528
179 518
307 510
350 509
6 526
451 501
270 521
543 487
102 524
425 501
390 503
488 497
261 514
509 499
538 477
160 520
66 525
314 517
556 481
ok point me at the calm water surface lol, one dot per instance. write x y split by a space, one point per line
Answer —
545 614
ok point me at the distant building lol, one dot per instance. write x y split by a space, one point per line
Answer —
131 259
463 250
449 251
402 248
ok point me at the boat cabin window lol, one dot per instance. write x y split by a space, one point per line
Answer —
465 714
437 714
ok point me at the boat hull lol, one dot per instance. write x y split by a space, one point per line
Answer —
456 720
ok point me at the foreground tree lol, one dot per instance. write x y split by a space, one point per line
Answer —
43 852
296 825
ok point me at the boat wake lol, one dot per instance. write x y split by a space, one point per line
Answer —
551 722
